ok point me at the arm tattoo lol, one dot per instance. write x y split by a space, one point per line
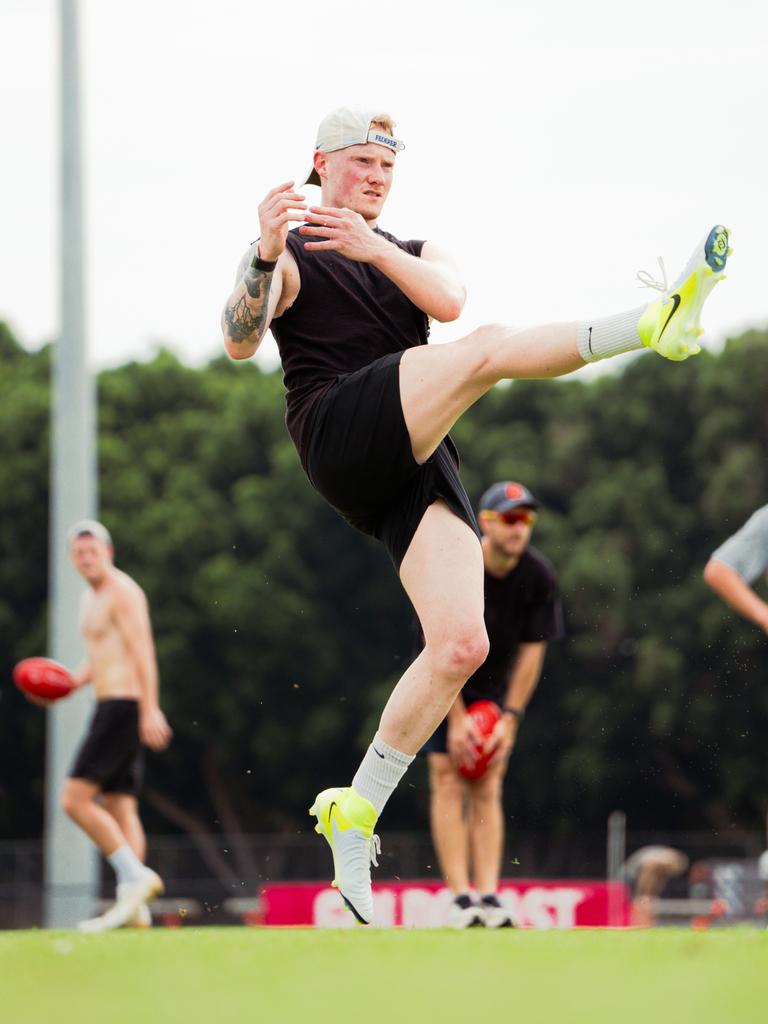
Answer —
244 318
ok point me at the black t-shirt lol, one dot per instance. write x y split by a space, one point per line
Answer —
346 315
523 607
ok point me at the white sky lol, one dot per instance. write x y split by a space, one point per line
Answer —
554 147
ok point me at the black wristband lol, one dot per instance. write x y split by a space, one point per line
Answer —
257 263
519 713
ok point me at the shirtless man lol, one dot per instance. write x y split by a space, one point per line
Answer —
100 795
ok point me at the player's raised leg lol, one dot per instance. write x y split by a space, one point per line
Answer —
442 573
440 382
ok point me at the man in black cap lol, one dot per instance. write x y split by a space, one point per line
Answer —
522 612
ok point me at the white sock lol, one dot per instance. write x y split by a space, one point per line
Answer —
127 865
379 773
609 336
612 335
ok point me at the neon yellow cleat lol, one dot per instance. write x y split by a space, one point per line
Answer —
346 819
671 324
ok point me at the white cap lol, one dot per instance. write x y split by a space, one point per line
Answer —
350 126
88 528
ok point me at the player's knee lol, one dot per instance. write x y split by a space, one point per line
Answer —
71 801
464 652
479 359
444 780
486 340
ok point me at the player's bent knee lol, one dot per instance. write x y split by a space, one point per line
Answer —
487 341
462 654
71 800
487 789
478 354
445 781
119 805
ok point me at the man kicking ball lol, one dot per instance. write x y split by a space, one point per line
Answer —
101 793
369 407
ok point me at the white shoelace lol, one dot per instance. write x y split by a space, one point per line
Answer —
364 853
648 281
375 849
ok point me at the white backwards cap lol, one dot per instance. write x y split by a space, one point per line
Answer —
89 528
350 126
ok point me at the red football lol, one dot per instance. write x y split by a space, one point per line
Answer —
43 677
486 714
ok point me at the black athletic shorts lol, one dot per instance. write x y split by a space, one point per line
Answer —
360 460
111 754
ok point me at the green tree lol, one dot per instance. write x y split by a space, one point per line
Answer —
280 631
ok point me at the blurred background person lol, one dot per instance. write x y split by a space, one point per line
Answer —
649 869
522 613
101 793
735 566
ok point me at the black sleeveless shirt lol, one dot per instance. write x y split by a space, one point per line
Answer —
346 315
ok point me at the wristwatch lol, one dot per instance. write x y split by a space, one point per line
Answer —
518 713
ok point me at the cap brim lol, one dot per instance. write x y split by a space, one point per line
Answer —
313 178
511 503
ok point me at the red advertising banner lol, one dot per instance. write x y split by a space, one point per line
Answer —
532 903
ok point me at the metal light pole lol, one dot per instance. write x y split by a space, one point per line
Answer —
616 854
70 858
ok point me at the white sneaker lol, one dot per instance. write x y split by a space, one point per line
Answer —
495 914
142 918
465 913
130 897
346 820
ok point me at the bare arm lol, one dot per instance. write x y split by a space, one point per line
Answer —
525 676
249 309
131 613
728 585
431 281
523 680
82 673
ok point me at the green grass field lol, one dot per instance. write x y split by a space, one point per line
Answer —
213 976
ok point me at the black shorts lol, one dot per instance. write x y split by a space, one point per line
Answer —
111 754
360 460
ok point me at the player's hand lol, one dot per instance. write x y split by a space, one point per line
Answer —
502 739
154 730
280 206
462 740
343 231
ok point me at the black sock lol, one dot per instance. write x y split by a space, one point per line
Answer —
463 900
491 900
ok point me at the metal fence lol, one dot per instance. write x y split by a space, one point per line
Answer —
210 880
